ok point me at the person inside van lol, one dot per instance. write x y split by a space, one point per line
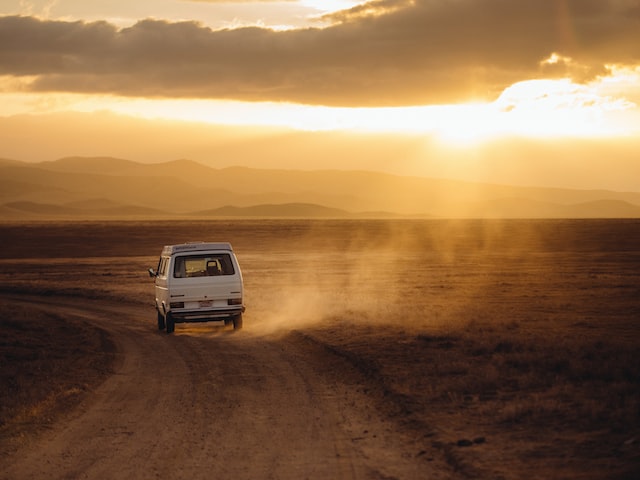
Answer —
212 268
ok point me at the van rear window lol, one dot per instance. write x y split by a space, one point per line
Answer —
203 265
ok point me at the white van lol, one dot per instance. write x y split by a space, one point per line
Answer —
198 282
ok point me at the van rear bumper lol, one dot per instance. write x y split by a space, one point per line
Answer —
180 316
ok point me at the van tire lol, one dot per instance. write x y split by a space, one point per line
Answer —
171 324
161 324
237 322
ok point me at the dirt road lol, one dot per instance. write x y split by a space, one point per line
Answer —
210 403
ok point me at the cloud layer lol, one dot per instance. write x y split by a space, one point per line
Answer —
387 52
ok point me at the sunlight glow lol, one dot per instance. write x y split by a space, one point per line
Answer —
558 107
555 59
275 15
535 108
326 6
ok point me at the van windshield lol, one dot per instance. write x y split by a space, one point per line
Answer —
203 265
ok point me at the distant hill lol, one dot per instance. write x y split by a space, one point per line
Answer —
102 186
33 208
297 210
30 210
6 161
604 209
95 165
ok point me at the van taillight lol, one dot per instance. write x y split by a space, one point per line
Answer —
177 304
234 301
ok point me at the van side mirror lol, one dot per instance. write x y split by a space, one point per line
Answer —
152 273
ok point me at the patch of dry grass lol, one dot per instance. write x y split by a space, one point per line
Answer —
574 399
48 364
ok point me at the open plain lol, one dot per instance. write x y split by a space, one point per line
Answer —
372 349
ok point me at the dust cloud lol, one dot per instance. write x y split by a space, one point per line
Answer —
404 273
298 273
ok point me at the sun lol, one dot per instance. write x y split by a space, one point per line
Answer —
534 108
541 108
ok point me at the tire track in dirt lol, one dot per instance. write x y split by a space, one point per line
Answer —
209 403
116 430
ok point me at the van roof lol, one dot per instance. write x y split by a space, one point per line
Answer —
195 247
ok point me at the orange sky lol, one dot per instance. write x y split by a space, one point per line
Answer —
537 93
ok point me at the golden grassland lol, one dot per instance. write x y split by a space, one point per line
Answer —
511 345
49 362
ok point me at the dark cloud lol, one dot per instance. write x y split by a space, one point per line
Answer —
387 52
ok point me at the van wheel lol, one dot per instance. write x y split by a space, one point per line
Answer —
237 322
171 325
161 324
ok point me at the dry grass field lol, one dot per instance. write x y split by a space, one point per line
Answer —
510 347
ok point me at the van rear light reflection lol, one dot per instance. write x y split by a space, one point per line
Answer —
234 301
177 304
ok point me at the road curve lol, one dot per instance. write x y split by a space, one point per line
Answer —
208 403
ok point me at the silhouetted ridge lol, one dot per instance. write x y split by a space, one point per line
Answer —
111 186
284 210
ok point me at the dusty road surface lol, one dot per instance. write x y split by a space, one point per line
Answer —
210 403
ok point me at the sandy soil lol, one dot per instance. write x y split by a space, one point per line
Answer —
211 403
510 360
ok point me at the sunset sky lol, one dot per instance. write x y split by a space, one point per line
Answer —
543 92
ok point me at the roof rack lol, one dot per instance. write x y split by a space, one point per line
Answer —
196 247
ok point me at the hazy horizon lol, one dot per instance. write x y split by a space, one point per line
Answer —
542 94
83 187
555 163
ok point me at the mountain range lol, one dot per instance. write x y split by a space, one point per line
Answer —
96 187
